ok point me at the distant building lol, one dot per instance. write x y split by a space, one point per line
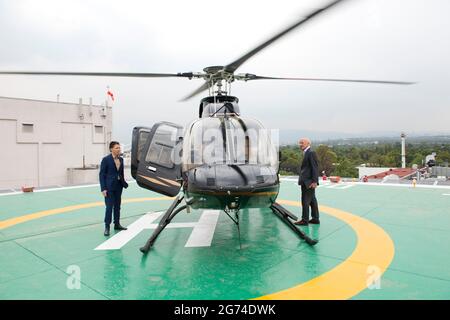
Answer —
385 173
369 171
47 143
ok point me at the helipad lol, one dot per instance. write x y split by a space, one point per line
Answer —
375 243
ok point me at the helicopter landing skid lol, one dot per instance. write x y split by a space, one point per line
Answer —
284 215
165 220
290 214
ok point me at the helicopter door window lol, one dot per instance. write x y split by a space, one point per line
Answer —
162 146
159 169
138 143
143 136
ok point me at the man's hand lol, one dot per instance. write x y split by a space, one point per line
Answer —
105 193
313 185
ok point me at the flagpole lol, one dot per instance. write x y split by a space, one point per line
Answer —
110 95
107 95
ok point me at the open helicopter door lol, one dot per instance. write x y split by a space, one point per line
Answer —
159 166
138 140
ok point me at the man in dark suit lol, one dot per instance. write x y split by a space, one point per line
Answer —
112 182
308 180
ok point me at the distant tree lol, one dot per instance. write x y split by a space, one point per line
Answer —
290 165
289 152
375 160
354 155
348 156
364 155
326 158
346 169
418 159
443 157
392 159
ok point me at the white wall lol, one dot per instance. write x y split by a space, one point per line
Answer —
41 140
18 164
365 171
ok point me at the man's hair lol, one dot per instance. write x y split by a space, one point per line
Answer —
112 144
305 139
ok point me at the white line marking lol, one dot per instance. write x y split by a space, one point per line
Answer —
121 238
10 193
203 232
201 235
401 185
385 184
341 186
333 186
446 194
75 187
59 188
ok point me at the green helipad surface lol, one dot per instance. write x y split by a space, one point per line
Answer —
43 256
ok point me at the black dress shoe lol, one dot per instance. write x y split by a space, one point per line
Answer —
314 221
119 227
106 233
301 223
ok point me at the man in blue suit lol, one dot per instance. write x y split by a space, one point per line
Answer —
112 182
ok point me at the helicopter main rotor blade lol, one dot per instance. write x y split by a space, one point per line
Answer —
203 87
238 62
101 74
247 77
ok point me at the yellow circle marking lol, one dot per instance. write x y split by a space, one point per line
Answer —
374 248
13 221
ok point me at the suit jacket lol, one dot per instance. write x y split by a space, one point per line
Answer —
110 178
309 170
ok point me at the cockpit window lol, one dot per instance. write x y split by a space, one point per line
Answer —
228 140
220 108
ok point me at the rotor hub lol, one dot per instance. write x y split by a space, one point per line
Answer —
213 69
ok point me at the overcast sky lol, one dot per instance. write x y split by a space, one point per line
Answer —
404 40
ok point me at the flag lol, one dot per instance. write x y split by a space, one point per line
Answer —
109 93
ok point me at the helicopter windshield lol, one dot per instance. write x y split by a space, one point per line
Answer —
228 140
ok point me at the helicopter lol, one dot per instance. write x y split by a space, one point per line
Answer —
221 160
